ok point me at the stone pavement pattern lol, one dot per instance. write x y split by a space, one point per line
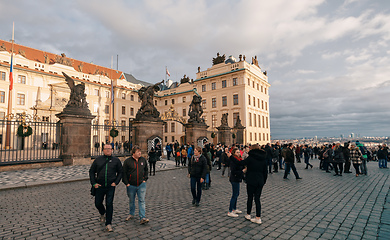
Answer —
320 206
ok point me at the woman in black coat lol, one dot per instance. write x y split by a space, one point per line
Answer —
256 177
152 161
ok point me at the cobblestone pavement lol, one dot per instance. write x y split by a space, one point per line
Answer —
320 206
33 177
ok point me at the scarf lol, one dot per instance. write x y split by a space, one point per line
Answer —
238 158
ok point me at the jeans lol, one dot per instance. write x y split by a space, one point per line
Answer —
254 191
356 166
287 170
363 166
307 158
382 163
207 179
99 197
196 189
269 163
338 166
140 191
236 193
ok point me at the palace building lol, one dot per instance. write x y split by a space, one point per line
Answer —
229 86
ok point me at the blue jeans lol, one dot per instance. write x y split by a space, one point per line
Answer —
363 166
236 193
382 163
140 191
196 189
207 180
99 197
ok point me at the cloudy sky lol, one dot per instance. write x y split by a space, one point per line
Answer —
327 61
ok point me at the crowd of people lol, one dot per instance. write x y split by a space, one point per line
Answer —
250 164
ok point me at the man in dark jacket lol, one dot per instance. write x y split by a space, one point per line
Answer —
197 170
105 173
347 165
289 160
135 175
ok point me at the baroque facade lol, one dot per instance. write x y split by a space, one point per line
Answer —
235 87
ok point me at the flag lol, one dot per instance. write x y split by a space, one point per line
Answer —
112 93
166 69
11 79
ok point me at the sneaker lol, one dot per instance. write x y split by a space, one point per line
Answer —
237 211
144 220
248 217
232 214
299 178
193 201
102 218
255 220
196 204
109 228
129 217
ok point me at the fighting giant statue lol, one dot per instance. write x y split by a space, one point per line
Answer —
147 110
195 112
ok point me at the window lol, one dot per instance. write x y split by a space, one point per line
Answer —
249 99
262 104
253 84
107 94
96 107
266 122
259 124
213 86
224 101
2 97
258 103
123 110
235 83
166 102
265 90
249 82
255 136
165 129
132 111
263 123
235 117
235 99
2 76
203 88
261 88
254 120
263 136
173 127
21 79
250 119
107 109
131 97
45 118
123 123
223 83
96 92
204 103
123 95
257 86
173 101
250 136
213 121
20 99
184 99
173 138
166 139
254 101
266 106
184 112
213 102
155 102
259 136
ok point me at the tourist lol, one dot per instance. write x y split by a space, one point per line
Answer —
256 177
306 155
268 150
190 151
225 162
169 150
135 175
197 170
290 162
363 150
207 154
328 158
347 159
184 157
177 157
236 175
152 161
105 174
338 159
382 156
356 158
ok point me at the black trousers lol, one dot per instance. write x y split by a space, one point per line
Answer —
253 192
152 165
347 166
337 166
99 197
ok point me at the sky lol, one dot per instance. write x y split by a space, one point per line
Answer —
327 61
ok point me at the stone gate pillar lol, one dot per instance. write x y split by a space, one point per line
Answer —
224 131
195 131
239 131
143 130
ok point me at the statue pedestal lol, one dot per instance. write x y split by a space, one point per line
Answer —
145 133
225 135
196 132
76 138
239 134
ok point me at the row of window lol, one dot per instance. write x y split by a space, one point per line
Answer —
183 99
21 78
264 105
173 127
260 88
224 101
265 137
257 120
223 84
20 98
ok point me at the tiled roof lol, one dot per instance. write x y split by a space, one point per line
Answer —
80 66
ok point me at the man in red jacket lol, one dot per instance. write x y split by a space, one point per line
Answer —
135 175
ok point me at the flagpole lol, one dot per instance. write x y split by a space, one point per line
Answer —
9 109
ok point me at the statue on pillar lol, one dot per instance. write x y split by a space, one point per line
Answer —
147 110
195 112
77 100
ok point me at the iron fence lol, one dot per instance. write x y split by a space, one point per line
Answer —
100 135
29 142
